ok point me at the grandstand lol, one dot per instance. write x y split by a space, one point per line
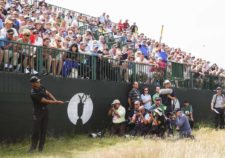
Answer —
37 37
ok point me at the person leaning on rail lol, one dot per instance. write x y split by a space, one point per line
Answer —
217 106
40 98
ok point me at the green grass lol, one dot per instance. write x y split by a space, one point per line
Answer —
58 147
71 146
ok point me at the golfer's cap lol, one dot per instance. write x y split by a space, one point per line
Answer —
34 79
116 101
218 88
166 81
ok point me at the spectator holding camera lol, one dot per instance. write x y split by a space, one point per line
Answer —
188 111
141 119
158 122
117 111
182 124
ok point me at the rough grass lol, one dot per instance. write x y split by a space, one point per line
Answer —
208 144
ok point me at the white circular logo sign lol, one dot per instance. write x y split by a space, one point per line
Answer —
80 108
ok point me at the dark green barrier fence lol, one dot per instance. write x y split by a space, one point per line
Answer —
16 105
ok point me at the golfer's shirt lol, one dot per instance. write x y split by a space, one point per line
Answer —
36 96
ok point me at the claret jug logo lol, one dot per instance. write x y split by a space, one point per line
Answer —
80 109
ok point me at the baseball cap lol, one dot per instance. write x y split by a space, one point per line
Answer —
166 81
10 31
116 101
218 88
157 98
34 79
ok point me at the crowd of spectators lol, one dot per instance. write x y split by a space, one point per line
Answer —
151 115
41 24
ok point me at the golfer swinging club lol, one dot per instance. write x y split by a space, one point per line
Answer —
40 98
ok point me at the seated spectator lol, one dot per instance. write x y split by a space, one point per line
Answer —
70 65
6 51
117 111
188 111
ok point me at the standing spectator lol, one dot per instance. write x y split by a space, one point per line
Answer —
188 111
217 106
102 18
134 95
117 111
134 29
167 97
126 25
120 26
146 99
47 58
57 56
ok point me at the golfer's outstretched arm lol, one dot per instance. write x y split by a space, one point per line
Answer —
50 95
48 101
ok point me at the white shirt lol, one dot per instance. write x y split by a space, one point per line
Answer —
145 98
121 111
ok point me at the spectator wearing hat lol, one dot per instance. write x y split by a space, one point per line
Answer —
182 124
141 119
6 51
118 112
217 106
167 97
158 104
158 123
188 111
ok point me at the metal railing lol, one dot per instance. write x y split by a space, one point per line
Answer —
24 58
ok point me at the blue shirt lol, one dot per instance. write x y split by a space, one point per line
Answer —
163 55
3 41
144 50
